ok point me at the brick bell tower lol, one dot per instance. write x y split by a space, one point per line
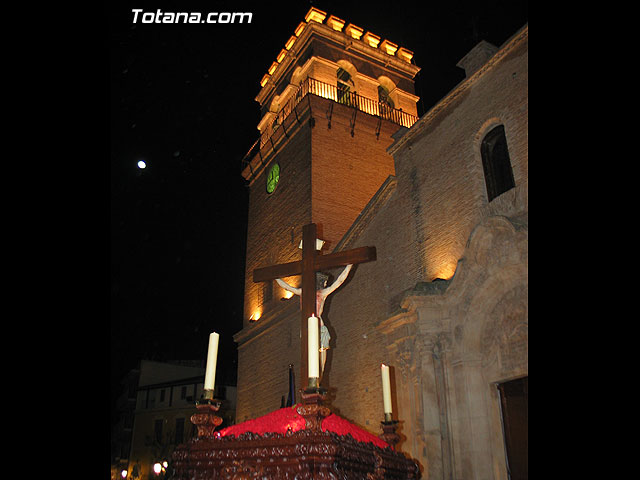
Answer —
330 103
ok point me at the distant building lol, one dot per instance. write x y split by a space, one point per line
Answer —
155 416
123 428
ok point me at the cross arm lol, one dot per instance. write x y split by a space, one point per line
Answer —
340 259
322 262
277 271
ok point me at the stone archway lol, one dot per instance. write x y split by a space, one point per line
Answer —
490 331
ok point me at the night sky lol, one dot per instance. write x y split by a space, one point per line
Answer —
182 100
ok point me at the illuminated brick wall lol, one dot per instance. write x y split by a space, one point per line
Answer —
347 170
275 220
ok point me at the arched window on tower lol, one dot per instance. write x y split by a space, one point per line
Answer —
498 174
345 82
386 103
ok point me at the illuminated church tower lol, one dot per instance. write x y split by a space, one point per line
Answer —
330 104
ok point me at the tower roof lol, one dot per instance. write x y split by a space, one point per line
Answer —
356 39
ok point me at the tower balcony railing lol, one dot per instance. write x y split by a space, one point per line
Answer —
338 95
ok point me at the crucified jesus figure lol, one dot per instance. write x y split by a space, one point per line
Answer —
321 296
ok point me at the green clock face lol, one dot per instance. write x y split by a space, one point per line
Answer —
273 177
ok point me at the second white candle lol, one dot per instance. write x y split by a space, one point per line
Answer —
313 347
386 389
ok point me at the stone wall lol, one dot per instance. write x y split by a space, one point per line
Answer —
451 338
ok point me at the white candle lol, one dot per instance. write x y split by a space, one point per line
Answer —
212 360
313 348
386 389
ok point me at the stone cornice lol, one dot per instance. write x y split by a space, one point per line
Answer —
401 318
349 43
293 122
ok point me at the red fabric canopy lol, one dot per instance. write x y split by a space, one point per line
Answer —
284 419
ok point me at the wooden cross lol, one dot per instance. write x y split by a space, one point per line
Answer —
311 262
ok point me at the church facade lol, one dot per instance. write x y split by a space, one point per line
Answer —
444 200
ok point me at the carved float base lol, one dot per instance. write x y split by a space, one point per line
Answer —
301 455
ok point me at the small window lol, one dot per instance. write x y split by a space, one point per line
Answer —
157 431
498 174
162 395
183 393
267 292
179 430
